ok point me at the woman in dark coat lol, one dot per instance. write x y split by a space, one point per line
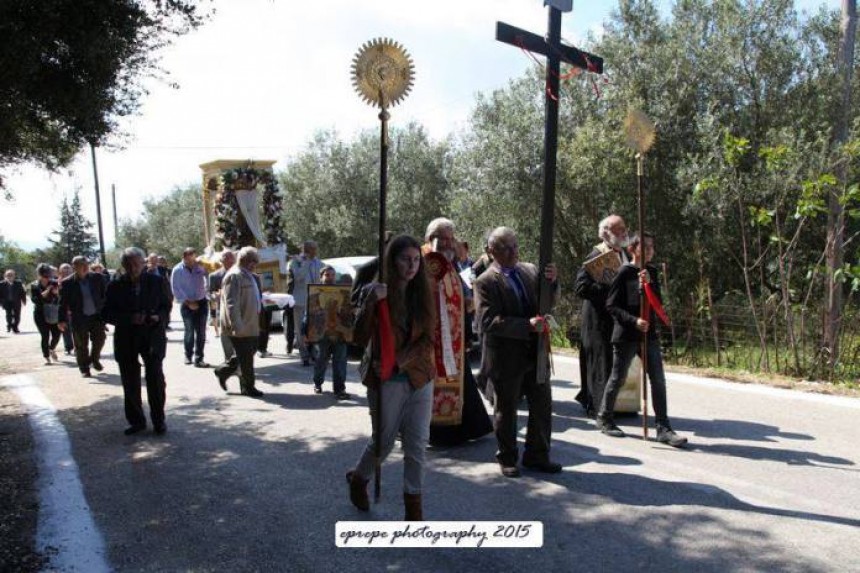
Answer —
46 290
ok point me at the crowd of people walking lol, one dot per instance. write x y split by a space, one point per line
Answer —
415 318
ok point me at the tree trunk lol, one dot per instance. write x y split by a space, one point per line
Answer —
835 215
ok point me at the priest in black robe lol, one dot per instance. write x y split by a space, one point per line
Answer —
595 353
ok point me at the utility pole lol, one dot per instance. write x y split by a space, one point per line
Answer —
115 223
98 203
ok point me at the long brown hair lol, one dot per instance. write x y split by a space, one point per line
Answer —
418 297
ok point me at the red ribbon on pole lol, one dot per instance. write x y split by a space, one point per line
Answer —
387 359
654 302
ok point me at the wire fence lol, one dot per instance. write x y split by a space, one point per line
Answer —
729 334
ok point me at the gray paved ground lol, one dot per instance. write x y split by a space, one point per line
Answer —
770 481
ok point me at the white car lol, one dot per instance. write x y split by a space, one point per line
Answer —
346 266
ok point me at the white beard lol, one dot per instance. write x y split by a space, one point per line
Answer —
619 243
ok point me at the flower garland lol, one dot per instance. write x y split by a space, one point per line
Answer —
227 206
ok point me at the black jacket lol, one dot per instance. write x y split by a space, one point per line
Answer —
72 300
15 291
121 302
36 290
622 302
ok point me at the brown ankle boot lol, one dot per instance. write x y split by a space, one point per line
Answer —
412 503
358 491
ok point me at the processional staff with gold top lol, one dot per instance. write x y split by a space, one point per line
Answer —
382 73
640 133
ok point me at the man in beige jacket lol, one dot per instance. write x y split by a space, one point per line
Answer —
241 303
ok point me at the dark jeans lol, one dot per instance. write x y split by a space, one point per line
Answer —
622 355
265 322
90 330
508 391
242 362
337 350
289 327
148 343
13 314
46 330
195 329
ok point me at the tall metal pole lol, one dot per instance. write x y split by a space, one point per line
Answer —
548 207
383 196
98 204
115 223
643 345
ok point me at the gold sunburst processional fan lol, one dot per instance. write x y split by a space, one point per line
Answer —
382 72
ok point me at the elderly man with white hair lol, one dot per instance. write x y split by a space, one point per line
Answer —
508 313
595 357
241 304
12 297
458 412
135 304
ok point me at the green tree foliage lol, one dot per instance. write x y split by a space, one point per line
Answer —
166 225
14 257
332 189
71 68
74 234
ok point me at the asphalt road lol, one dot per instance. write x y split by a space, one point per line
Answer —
769 482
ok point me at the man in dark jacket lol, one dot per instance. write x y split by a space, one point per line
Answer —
595 356
623 303
507 312
135 303
82 297
12 296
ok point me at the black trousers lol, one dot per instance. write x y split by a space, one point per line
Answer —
508 391
13 314
147 343
622 354
265 321
91 330
46 331
242 362
289 324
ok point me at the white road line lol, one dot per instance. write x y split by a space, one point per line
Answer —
66 529
760 389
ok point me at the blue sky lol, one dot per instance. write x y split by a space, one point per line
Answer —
263 75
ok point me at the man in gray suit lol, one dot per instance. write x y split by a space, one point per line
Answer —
506 296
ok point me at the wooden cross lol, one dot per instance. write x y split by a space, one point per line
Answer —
555 52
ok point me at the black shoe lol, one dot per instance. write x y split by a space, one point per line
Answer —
187 360
252 393
265 354
666 435
608 427
510 471
222 378
16 331
160 429
317 389
86 373
98 366
131 430
342 396
201 364
546 467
